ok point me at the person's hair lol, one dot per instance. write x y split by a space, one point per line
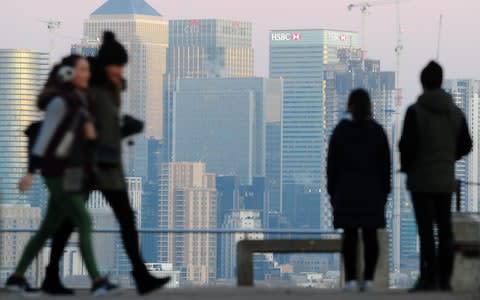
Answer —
55 84
54 80
432 76
359 105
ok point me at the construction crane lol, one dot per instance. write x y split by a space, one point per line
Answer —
440 27
53 26
365 10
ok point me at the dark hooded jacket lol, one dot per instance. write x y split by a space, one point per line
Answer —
106 101
435 135
358 173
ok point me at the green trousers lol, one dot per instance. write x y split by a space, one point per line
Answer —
62 207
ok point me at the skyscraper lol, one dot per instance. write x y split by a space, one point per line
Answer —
237 219
466 94
188 200
22 75
217 119
144 33
206 48
300 57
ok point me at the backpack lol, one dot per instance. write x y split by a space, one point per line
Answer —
32 132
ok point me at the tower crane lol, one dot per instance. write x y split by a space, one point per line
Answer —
440 27
53 26
365 10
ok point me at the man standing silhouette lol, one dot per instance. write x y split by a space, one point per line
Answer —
435 135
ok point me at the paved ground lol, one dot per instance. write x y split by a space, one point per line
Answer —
263 294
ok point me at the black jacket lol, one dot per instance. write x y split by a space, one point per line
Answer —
60 142
358 174
435 135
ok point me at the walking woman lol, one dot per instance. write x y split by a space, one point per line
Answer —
105 89
358 171
60 151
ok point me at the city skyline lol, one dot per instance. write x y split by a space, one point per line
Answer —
420 24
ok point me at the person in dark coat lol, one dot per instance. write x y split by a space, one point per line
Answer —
358 174
106 86
435 135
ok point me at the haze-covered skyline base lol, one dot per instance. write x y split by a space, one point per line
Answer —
420 18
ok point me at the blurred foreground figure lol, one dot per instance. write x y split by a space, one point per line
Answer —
60 150
106 86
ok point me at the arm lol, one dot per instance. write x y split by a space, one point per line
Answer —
54 114
387 163
464 140
332 161
409 141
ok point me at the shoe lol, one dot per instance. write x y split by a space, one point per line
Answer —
20 284
350 286
104 288
52 284
423 285
146 283
445 287
366 286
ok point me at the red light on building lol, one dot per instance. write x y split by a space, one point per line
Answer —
194 23
296 36
342 38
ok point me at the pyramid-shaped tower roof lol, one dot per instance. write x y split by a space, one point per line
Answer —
126 7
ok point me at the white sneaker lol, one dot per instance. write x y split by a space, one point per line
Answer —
367 286
350 286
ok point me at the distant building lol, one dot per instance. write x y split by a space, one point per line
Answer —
466 94
273 148
239 219
149 242
86 48
218 119
204 48
300 57
144 33
165 270
188 200
22 75
13 244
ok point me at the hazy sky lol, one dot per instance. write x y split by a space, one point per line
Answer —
420 18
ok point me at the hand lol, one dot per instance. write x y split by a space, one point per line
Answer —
90 132
26 183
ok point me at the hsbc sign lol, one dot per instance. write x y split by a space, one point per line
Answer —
286 36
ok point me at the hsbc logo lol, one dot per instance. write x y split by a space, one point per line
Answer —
286 36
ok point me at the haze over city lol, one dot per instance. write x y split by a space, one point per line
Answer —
214 143
419 18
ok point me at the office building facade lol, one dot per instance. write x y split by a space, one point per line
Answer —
300 58
22 75
188 200
144 33
204 48
218 119
466 95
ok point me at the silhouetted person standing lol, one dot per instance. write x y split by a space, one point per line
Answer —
358 170
435 135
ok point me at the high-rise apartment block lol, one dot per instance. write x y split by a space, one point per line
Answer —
188 201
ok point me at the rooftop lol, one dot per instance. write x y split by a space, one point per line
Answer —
126 7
